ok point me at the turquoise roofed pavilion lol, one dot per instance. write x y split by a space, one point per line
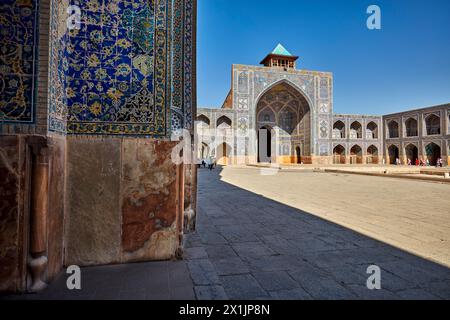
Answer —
281 51
280 57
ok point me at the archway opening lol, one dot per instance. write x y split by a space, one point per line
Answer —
223 154
356 155
223 126
372 155
355 130
298 154
393 154
372 130
433 125
411 127
433 152
284 107
265 144
202 124
339 130
393 129
203 151
412 153
339 155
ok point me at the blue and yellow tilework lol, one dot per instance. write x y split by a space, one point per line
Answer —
113 69
18 42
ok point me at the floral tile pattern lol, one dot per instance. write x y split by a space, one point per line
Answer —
112 70
18 42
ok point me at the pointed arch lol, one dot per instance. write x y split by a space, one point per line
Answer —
202 125
292 110
339 154
433 153
356 154
433 125
204 119
372 130
412 153
289 83
372 154
223 121
411 127
393 129
356 130
393 154
338 130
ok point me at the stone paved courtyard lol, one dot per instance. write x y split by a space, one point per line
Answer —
253 242
248 246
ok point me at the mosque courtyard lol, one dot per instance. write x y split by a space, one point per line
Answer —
294 235
303 235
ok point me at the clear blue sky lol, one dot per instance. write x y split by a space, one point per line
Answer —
404 65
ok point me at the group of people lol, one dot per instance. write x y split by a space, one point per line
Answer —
209 163
422 163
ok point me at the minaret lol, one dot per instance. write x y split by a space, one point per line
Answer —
279 58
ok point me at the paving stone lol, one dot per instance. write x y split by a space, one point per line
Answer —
212 238
230 266
349 274
320 285
291 294
439 288
182 293
275 280
210 293
233 234
158 295
279 245
140 294
241 287
416 294
192 240
254 249
363 293
327 289
311 245
273 263
195 253
203 272
220 251
228 221
409 273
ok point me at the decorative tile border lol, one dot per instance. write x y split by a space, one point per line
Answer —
18 59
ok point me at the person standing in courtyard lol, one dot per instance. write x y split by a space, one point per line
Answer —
209 163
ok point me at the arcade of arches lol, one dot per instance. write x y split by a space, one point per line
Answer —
356 155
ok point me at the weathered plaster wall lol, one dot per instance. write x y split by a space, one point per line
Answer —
149 201
126 209
93 212
12 162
